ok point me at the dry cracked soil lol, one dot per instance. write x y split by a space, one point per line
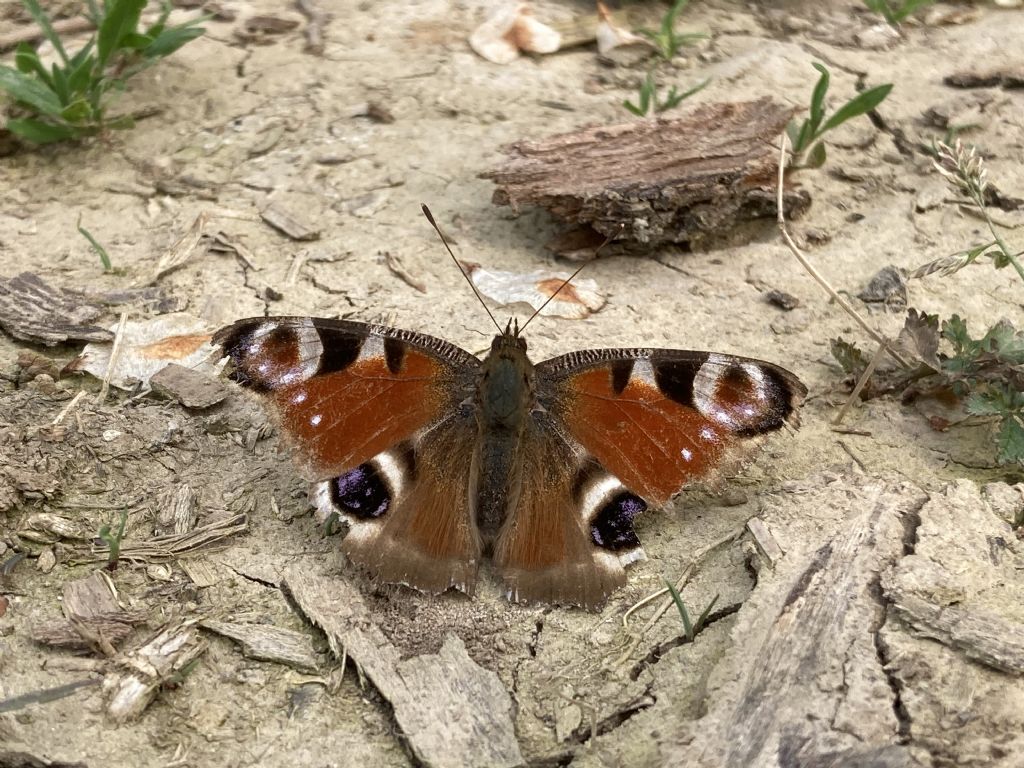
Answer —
883 628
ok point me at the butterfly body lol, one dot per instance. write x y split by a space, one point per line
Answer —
438 460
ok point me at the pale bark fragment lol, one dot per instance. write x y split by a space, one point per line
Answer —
451 711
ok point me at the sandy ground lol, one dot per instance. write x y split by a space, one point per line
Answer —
239 125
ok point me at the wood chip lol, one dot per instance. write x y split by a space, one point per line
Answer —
765 541
451 711
399 270
200 571
289 223
177 509
32 310
269 643
150 666
191 388
171 546
94 619
650 182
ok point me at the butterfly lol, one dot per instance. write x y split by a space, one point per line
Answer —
437 459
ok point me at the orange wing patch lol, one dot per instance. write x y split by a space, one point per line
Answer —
343 419
654 445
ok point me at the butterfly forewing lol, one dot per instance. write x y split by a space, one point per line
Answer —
660 419
345 392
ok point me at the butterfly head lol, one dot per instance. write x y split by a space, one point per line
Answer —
510 338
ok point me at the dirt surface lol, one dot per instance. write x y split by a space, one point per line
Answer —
238 126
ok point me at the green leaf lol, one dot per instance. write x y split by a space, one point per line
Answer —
816 157
850 358
29 90
78 111
170 40
100 250
818 96
702 619
60 84
39 132
1011 440
136 41
859 105
675 99
633 108
954 331
793 132
44 24
683 613
80 79
28 62
122 17
984 404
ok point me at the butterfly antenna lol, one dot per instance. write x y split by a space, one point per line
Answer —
430 218
570 278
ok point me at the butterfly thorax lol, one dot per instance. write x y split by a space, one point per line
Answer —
505 397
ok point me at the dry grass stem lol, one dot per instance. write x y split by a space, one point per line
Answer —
813 272
861 382
115 351
67 408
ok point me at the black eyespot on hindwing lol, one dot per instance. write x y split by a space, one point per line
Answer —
361 493
612 526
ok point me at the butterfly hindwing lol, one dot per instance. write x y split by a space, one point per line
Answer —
659 419
408 510
570 534
344 392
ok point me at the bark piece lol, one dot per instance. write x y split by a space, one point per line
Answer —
191 388
94 617
150 666
803 684
289 223
991 77
32 310
664 181
453 712
962 585
267 643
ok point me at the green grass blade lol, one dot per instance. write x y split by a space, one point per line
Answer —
859 105
687 624
107 267
44 24
170 40
27 61
29 90
702 620
818 96
122 17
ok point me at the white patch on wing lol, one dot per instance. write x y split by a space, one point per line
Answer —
643 371
395 476
597 494
308 352
632 556
315 419
372 349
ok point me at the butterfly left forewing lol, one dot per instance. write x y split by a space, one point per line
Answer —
659 419
344 392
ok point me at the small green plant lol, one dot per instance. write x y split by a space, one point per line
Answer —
690 629
648 98
70 99
896 12
805 137
986 373
113 541
100 250
665 39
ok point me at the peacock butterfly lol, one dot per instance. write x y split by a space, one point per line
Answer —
436 459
